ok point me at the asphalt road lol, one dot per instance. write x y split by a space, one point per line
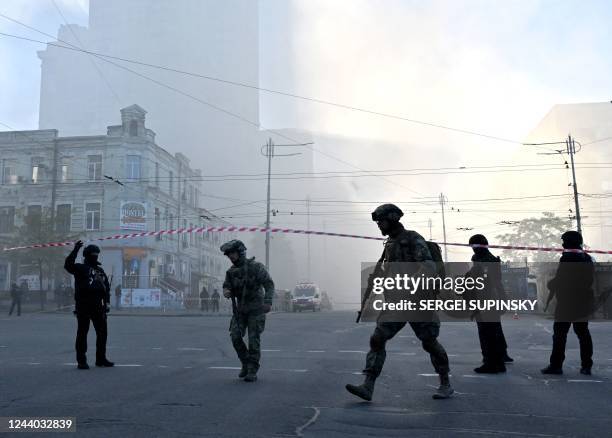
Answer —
177 376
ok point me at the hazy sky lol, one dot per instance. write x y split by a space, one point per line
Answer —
494 67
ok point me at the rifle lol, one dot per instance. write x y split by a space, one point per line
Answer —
370 286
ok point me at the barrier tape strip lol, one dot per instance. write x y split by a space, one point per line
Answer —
287 231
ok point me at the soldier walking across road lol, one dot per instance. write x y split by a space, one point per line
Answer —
92 297
243 284
490 332
204 299
573 288
402 246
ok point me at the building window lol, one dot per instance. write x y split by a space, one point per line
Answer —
133 167
134 128
157 223
8 175
64 173
94 167
7 219
63 218
92 216
36 169
33 218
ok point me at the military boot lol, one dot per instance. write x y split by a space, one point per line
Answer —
251 374
243 371
445 390
365 390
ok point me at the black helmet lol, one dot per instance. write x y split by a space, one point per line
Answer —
91 249
233 246
478 239
390 212
572 238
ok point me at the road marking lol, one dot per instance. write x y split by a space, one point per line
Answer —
33 363
191 349
352 351
471 376
187 367
405 354
289 371
323 351
299 430
4 346
128 365
453 355
72 364
224 368
156 348
162 366
584 381
271 351
428 375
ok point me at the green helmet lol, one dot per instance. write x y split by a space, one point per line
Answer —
390 212
233 246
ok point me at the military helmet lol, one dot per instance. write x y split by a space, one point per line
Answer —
573 238
233 246
390 212
91 249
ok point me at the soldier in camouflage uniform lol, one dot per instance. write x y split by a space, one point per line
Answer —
402 246
243 283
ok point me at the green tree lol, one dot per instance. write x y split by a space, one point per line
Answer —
544 231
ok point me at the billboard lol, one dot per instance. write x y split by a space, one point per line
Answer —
140 297
133 216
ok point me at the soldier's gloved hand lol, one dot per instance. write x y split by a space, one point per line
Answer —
106 308
78 244
267 307
227 293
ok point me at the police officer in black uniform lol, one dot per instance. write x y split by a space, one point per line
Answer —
92 297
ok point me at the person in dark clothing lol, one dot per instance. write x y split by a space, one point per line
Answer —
572 286
92 296
204 298
215 301
118 297
15 299
490 332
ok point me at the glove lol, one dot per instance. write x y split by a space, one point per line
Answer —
78 244
106 308
227 293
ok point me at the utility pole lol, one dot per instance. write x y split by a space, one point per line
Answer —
429 223
308 235
442 202
269 153
571 150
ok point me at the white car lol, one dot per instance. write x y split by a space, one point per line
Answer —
306 296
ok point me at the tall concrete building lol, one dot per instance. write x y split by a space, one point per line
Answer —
80 94
590 124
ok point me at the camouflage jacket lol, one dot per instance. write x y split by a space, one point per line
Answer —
408 246
257 278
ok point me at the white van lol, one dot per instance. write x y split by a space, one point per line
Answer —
306 296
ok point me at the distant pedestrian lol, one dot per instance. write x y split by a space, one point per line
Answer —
573 288
204 298
215 301
15 299
118 297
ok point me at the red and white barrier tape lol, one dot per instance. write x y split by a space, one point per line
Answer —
285 231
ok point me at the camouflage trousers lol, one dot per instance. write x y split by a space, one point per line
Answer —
426 332
254 324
